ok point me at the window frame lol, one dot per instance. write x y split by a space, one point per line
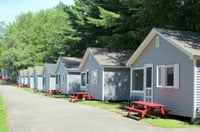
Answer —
133 69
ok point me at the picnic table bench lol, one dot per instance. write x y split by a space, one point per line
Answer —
80 95
144 108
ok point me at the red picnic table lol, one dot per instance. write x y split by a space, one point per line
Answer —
145 108
80 95
53 91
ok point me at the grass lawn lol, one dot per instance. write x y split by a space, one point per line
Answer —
3 122
168 122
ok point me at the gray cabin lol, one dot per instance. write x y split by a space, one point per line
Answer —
166 69
68 77
104 74
49 77
38 78
30 77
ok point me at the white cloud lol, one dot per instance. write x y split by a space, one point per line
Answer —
10 9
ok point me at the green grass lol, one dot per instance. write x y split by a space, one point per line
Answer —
169 123
3 123
116 107
110 106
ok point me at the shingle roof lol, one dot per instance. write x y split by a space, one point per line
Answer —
70 62
107 57
38 70
189 41
50 68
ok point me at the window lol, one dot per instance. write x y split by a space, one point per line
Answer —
168 76
138 76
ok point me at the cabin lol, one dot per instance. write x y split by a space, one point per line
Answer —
68 77
30 77
38 78
165 69
49 77
104 74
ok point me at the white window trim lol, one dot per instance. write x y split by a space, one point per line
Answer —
163 77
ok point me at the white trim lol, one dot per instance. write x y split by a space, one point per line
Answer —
194 91
103 84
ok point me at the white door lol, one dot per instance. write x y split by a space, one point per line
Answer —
148 82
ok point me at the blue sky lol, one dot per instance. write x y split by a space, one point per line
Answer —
9 9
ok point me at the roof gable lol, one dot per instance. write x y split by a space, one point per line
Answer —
186 41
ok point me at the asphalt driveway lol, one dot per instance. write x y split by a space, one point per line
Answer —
28 112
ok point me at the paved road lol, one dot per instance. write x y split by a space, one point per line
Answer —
28 112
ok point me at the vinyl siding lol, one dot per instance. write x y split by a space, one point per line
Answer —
62 85
116 83
180 101
94 89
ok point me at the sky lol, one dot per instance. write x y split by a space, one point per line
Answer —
9 9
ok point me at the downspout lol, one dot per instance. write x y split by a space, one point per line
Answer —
131 82
194 91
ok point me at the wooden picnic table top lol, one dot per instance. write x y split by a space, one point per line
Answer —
149 104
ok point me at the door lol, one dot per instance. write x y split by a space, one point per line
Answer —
148 82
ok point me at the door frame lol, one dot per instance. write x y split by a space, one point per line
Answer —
149 65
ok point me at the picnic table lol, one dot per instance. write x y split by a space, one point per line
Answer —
53 91
80 95
145 108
